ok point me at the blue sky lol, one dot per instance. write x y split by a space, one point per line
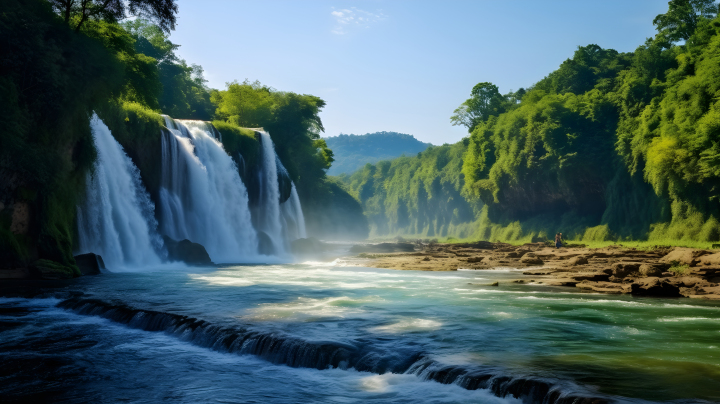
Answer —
397 65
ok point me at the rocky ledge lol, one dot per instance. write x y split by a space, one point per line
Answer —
661 271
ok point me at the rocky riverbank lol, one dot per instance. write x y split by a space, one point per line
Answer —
662 271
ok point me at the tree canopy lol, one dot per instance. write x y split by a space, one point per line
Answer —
78 12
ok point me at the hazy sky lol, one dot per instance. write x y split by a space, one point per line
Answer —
403 66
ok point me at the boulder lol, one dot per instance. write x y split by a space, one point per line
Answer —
578 261
516 254
90 264
655 287
684 256
652 270
531 259
187 252
710 259
308 246
624 268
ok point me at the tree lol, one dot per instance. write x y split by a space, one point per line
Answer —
184 91
162 12
683 17
484 102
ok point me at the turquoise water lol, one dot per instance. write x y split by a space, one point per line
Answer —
617 347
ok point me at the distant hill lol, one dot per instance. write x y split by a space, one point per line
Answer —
354 151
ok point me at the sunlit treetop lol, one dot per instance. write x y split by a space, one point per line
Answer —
77 12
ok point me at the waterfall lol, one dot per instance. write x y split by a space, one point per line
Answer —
202 197
116 218
292 216
267 218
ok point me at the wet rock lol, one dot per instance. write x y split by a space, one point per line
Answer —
652 269
516 254
592 276
531 259
710 259
495 284
684 256
655 287
561 282
187 252
578 261
544 271
624 268
90 264
605 287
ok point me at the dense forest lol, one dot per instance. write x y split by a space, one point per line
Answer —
609 146
62 60
352 152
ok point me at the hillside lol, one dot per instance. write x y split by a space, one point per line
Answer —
610 146
351 152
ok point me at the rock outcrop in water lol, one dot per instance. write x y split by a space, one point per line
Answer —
187 252
661 272
90 264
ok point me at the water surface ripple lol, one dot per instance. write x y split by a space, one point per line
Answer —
325 333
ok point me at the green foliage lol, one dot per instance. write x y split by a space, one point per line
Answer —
683 17
240 141
351 152
485 101
50 81
334 213
417 196
161 12
608 147
184 93
678 269
626 143
293 122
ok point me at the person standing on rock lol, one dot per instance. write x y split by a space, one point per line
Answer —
558 240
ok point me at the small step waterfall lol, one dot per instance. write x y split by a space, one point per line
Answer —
116 218
202 197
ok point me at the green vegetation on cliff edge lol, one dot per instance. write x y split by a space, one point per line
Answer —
610 146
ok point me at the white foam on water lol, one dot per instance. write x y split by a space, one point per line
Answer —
468 291
679 319
408 325
308 308
223 280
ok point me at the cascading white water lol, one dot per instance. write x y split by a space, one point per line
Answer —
202 197
293 218
116 218
268 212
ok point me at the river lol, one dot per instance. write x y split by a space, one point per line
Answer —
330 333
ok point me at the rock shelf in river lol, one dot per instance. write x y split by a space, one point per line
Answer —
662 272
